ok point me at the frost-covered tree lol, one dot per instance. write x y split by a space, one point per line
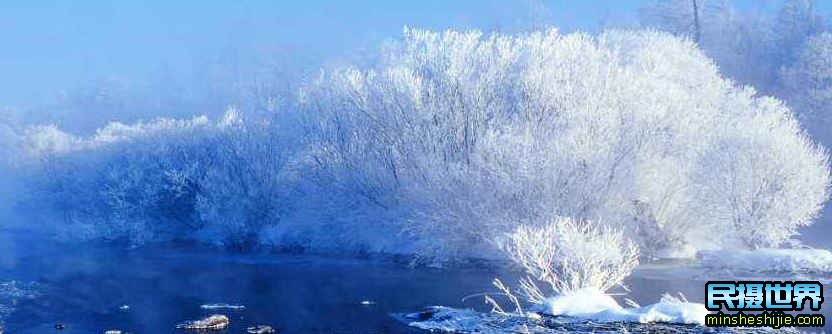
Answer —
447 141
808 83
748 46
762 179
680 17
780 53
796 21
468 135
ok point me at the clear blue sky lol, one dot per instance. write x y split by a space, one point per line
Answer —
50 46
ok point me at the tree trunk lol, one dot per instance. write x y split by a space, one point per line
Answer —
696 27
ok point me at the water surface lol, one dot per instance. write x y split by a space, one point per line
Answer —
43 282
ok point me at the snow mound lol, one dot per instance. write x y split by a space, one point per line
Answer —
769 260
594 305
668 311
581 303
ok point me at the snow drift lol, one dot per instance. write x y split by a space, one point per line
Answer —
593 304
585 310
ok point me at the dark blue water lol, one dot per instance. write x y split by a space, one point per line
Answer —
83 288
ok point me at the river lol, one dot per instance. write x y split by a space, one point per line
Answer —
93 288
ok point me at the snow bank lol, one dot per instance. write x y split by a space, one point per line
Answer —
594 305
666 311
581 303
769 260
666 316
585 310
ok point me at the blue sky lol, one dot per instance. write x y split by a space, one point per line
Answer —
51 46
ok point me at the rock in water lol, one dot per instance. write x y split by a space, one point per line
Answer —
214 322
261 329
59 326
424 314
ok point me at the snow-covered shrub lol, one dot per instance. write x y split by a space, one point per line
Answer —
250 184
569 255
578 263
123 182
163 179
466 135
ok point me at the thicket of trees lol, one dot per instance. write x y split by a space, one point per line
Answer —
785 54
807 83
446 143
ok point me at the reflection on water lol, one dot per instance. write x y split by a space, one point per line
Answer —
95 288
